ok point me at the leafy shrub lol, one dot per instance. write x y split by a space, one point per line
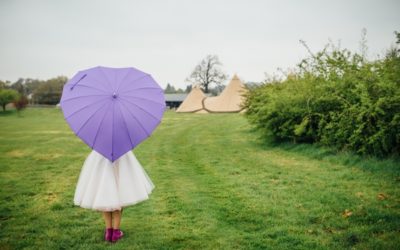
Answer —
336 98
21 102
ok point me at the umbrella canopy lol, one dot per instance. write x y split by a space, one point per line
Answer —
112 109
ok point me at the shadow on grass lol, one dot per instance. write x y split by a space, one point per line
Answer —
8 113
389 165
12 112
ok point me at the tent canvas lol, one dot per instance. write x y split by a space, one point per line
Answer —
229 100
193 101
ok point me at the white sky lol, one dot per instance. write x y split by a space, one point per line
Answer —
43 39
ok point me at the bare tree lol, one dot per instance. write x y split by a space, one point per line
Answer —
206 72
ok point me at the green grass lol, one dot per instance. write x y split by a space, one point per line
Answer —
217 187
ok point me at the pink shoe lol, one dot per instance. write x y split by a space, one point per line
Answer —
108 234
117 234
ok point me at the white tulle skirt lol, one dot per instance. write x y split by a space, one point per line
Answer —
107 186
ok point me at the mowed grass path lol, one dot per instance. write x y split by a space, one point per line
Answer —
217 187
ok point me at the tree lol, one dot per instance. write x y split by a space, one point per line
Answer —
217 90
20 103
207 72
49 92
5 85
179 91
169 89
31 85
19 86
7 96
188 88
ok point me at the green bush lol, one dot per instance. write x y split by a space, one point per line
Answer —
335 98
21 102
7 96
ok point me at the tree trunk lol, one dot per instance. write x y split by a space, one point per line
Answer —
4 107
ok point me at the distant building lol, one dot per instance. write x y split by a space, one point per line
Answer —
174 100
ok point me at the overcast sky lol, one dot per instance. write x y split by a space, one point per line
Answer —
43 39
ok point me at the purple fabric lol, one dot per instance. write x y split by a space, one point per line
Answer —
112 109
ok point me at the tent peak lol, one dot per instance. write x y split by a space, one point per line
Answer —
196 85
235 77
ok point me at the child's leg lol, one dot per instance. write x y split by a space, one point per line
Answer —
108 219
117 218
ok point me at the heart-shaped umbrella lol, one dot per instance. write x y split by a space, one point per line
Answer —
112 109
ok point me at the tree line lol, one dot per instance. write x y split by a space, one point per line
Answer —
33 91
170 89
214 91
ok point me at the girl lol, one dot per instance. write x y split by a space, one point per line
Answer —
108 187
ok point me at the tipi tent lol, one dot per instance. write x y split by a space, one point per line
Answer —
193 101
229 100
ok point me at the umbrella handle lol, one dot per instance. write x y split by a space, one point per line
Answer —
78 81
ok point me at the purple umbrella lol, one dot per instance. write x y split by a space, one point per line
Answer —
112 109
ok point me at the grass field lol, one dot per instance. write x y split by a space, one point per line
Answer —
217 187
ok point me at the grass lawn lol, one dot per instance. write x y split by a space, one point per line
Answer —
217 187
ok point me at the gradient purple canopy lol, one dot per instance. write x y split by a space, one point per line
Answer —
112 109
